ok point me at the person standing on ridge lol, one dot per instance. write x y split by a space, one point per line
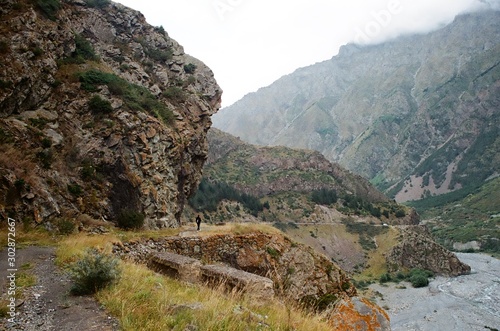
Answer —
198 222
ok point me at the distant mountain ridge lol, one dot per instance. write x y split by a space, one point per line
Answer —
418 116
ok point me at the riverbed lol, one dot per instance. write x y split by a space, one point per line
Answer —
469 302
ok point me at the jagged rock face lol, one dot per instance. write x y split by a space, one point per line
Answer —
61 157
417 249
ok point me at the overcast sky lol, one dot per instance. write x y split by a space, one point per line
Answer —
251 43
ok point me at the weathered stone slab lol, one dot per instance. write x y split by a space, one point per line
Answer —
177 266
255 285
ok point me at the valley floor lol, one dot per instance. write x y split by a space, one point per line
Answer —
469 302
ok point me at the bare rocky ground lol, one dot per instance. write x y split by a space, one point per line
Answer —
48 305
469 302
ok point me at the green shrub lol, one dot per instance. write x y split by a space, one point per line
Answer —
49 8
385 278
273 252
157 54
37 51
5 84
98 105
45 157
129 219
92 79
165 114
400 213
4 47
175 93
88 171
189 68
46 142
83 50
65 226
160 29
20 183
419 277
324 197
75 189
419 281
94 271
135 97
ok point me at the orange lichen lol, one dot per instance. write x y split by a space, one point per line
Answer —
361 315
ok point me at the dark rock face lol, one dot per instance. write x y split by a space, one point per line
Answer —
98 114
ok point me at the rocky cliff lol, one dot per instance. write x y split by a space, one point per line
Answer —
418 115
417 249
100 113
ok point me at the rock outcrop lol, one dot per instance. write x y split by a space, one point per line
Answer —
298 272
100 113
417 249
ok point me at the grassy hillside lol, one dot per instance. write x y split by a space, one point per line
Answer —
465 215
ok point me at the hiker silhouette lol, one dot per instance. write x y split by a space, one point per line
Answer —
198 222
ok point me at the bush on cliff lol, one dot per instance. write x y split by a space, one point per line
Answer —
129 219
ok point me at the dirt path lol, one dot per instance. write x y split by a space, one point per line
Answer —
48 304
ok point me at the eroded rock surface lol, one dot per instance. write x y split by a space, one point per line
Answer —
141 148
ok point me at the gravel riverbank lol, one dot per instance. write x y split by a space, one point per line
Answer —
470 302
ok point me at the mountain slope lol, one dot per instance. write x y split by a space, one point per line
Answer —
418 116
356 226
263 171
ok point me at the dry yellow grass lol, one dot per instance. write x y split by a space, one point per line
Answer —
144 300
237 228
377 262
33 237
73 246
